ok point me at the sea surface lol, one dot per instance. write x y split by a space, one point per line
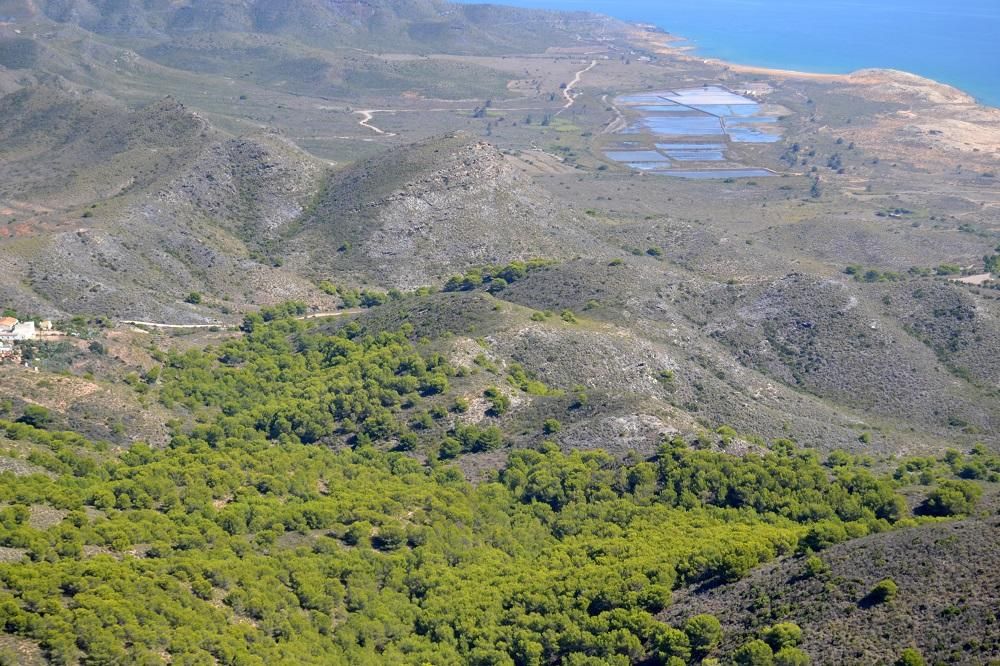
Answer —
952 41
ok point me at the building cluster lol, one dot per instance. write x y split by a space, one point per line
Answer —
13 331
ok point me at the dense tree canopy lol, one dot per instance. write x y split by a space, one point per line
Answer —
278 527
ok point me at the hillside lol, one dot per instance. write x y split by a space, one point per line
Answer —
945 606
410 332
186 218
423 25
416 215
297 512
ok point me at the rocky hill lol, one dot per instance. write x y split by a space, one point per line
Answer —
418 214
945 605
424 25
134 210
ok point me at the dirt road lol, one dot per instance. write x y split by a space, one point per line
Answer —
569 87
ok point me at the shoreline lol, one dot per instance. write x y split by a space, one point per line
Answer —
658 41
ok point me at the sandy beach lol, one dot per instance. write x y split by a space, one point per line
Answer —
663 44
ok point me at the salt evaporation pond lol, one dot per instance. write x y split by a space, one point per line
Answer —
696 155
655 98
683 125
635 156
649 166
728 110
662 107
705 95
709 112
693 152
718 173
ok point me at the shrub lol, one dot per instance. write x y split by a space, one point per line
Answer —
824 535
754 653
389 537
194 298
791 656
551 426
499 403
814 566
358 534
910 657
370 299
884 592
952 498
782 635
704 632
669 643
35 416
726 433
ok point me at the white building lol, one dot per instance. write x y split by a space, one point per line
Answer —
12 330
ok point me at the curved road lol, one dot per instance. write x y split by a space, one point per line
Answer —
569 87
366 116
153 324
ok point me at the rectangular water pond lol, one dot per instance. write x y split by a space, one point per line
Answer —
683 125
635 156
717 174
742 134
651 98
649 166
693 152
729 109
690 146
751 120
709 95
696 155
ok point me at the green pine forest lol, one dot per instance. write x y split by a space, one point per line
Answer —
308 511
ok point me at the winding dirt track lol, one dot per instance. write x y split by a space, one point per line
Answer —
569 87
366 116
619 120
153 324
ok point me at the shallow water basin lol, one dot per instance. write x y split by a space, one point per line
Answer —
651 98
635 156
696 155
649 166
729 109
718 173
683 125
751 135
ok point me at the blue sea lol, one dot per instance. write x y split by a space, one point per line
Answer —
952 41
